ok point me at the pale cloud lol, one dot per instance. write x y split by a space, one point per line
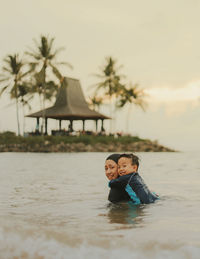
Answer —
190 92
175 101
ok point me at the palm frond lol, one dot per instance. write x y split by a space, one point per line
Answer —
40 76
25 74
50 43
33 66
7 69
4 79
65 64
98 76
33 55
26 103
58 50
56 72
3 89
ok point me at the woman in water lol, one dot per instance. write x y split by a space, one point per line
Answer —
111 171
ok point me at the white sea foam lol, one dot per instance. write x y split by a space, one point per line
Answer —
14 246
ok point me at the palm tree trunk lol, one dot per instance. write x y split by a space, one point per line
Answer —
111 114
23 119
17 107
128 118
44 97
17 115
43 113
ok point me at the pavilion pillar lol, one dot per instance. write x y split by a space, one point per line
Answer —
60 126
71 126
102 127
96 122
37 129
83 125
45 126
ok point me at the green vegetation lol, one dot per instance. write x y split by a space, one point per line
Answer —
11 138
9 142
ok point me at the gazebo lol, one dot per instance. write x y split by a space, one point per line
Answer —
70 105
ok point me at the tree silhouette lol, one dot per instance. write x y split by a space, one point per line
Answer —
13 75
110 82
129 95
44 59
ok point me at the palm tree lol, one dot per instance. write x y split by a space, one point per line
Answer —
44 57
95 102
13 75
110 78
131 95
110 83
25 95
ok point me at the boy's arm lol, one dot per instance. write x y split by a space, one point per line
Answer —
141 190
120 182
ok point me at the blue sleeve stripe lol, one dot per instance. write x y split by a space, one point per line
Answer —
132 194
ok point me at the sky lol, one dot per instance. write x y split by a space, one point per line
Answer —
157 42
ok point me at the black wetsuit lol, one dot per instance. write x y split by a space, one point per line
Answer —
118 195
135 188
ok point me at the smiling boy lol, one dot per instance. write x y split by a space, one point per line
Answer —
131 181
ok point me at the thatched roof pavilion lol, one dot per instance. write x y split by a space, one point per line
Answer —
70 105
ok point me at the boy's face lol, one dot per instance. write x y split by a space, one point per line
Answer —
125 166
111 169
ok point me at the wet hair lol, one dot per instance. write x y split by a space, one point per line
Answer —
114 157
134 158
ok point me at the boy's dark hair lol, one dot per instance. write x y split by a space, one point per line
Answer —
134 158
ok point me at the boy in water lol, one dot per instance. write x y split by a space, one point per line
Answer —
131 181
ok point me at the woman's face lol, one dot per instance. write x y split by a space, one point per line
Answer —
111 169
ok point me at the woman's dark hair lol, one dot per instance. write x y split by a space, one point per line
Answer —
134 158
113 157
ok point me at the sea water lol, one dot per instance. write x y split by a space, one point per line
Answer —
55 206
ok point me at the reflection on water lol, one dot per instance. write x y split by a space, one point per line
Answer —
58 203
126 213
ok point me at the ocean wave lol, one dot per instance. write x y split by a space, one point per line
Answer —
17 246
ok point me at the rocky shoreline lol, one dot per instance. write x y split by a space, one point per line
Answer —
47 147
